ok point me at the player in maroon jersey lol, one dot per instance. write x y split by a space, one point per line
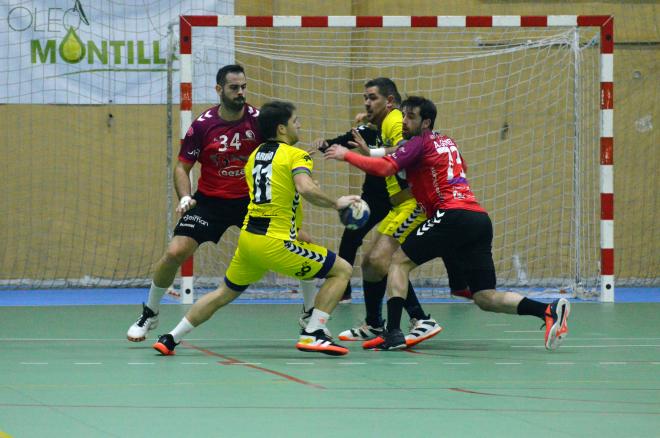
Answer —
458 229
221 139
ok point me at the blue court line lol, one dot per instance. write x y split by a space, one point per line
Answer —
86 297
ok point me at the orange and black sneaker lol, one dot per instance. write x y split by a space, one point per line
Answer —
165 345
319 342
556 328
390 340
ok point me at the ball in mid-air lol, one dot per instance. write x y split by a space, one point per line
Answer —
355 215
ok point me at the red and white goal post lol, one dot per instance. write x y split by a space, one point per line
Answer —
529 99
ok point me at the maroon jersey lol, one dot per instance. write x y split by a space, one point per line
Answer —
222 148
435 172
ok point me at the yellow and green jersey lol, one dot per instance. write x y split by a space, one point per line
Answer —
275 209
391 133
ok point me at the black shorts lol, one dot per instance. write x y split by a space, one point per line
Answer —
210 218
464 240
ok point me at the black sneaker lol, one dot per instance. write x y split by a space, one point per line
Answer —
165 345
390 340
319 342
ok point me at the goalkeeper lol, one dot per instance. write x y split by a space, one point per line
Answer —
392 204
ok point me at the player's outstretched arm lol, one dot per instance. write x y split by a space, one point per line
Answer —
308 189
374 166
183 187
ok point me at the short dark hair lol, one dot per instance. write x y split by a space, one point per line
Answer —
221 77
386 87
427 108
273 114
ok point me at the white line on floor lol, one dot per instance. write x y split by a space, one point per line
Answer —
591 346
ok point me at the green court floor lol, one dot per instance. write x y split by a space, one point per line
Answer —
69 372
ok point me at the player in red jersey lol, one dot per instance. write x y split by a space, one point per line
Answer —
458 229
221 139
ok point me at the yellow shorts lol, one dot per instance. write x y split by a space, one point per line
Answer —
402 219
257 254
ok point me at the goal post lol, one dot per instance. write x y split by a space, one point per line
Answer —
529 100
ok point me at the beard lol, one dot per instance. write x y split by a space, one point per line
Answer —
232 104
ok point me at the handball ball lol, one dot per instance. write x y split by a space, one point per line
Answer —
355 215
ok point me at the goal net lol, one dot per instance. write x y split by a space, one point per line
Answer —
521 103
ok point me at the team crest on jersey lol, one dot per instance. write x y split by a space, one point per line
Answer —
307 158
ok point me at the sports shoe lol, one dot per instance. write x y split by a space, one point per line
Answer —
319 342
421 330
346 298
304 320
556 328
147 321
362 333
390 340
463 293
165 345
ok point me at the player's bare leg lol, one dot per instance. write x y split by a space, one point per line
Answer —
179 249
200 312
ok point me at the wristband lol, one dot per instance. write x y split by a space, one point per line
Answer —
378 152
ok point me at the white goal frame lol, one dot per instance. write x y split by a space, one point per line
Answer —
604 22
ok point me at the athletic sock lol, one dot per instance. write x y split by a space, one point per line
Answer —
308 288
373 301
317 321
183 328
155 295
532 307
412 305
394 310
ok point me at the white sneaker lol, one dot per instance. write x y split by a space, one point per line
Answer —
421 330
363 333
304 320
147 321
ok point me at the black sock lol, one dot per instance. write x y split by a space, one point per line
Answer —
531 307
412 305
373 301
394 310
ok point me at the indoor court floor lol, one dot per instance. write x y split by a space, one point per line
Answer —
68 371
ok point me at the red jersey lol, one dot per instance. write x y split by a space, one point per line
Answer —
435 173
222 148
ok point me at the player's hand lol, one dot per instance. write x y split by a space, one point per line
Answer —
185 204
344 201
320 144
359 143
360 119
335 152
304 236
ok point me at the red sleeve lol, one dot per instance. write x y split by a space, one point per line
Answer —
379 166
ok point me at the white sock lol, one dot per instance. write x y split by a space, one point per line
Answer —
317 321
183 328
308 288
155 295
